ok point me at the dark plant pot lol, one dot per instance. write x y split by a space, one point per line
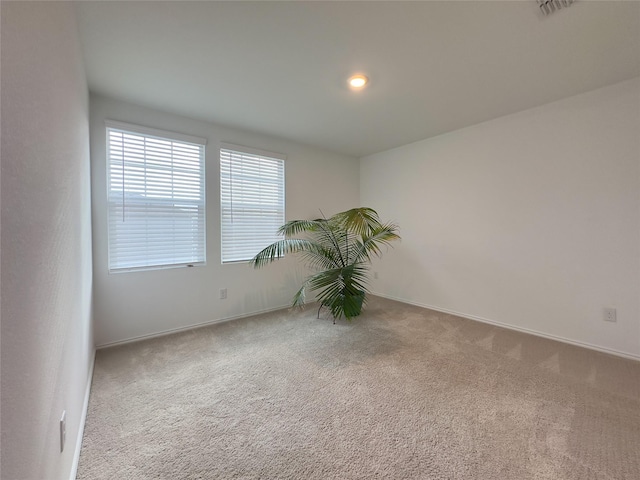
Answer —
353 304
350 305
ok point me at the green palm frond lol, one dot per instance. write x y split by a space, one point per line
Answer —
282 247
300 296
295 227
329 235
358 220
382 236
320 260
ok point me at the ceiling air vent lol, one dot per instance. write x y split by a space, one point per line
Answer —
550 6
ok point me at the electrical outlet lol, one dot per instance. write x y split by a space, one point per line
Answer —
375 275
609 315
63 430
223 293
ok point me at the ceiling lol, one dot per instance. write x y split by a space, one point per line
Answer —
280 68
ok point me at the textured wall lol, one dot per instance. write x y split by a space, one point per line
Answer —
47 342
531 220
134 304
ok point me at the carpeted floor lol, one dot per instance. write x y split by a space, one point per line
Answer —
399 393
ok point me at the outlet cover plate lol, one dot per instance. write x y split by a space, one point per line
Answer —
609 315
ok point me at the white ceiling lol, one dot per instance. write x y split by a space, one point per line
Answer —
280 68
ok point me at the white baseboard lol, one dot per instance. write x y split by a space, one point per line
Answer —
83 419
631 356
188 327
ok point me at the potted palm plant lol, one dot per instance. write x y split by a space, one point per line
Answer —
340 249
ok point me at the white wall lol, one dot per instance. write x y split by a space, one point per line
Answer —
135 304
47 344
531 220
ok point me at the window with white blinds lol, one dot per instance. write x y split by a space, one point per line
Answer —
252 201
156 199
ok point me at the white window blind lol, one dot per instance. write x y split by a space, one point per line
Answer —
156 199
252 201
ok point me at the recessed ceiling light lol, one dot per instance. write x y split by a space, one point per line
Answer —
358 81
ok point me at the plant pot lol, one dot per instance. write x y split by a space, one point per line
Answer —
350 305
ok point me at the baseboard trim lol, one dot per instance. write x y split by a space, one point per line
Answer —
83 419
477 318
188 327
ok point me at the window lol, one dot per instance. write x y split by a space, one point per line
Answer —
156 200
251 200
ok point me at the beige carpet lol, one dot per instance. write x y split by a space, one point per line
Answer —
400 393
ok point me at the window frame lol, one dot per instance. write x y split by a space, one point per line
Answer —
263 154
167 136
